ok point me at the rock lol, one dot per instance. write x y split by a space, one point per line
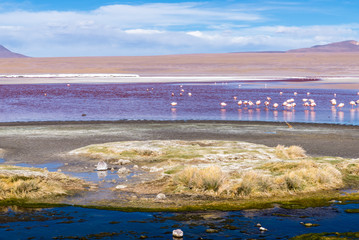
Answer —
123 161
309 224
177 233
135 167
123 170
155 169
263 229
121 186
143 237
161 196
211 230
101 166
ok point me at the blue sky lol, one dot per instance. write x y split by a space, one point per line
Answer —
119 28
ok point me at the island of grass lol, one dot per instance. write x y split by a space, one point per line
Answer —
24 184
224 175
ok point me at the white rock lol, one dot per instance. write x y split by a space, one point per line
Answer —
121 186
123 161
101 166
135 167
177 233
155 169
123 170
161 196
262 229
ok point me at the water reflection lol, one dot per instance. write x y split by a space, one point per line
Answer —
306 115
341 116
223 114
101 174
312 116
174 113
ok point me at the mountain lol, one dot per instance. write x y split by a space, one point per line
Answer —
6 53
345 46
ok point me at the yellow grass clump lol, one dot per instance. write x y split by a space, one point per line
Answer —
210 178
292 152
31 183
303 176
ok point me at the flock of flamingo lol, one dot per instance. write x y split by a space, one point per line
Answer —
288 104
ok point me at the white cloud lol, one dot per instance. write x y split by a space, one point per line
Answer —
150 29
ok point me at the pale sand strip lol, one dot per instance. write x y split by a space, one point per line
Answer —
330 82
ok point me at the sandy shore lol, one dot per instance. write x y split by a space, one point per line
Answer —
335 70
49 141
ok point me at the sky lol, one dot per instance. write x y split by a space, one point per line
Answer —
66 28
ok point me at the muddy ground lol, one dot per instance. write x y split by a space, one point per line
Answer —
50 141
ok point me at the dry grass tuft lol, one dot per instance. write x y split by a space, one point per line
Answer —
303 176
32 183
206 179
292 152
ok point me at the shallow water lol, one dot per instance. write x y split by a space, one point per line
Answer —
67 222
153 102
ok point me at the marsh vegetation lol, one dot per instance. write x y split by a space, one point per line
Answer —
227 169
35 183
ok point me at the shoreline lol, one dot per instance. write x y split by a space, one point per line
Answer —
324 82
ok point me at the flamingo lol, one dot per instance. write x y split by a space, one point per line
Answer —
313 104
173 104
340 105
223 104
352 103
295 93
304 99
284 104
275 105
235 98
172 94
239 103
258 103
245 103
357 101
334 102
266 103
68 84
308 93
250 103
268 98
189 94
306 104
280 93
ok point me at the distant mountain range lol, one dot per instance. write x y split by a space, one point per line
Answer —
345 46
6 53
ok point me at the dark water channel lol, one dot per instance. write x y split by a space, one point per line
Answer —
81 223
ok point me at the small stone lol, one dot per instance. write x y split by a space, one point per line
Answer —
123 170
121 186
143 237
101 166
211 230
263 229
177 233
123 161
135 166
59 170
161 196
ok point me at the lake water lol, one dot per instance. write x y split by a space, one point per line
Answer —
80 223
88 102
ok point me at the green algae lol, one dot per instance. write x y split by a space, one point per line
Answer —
327 236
